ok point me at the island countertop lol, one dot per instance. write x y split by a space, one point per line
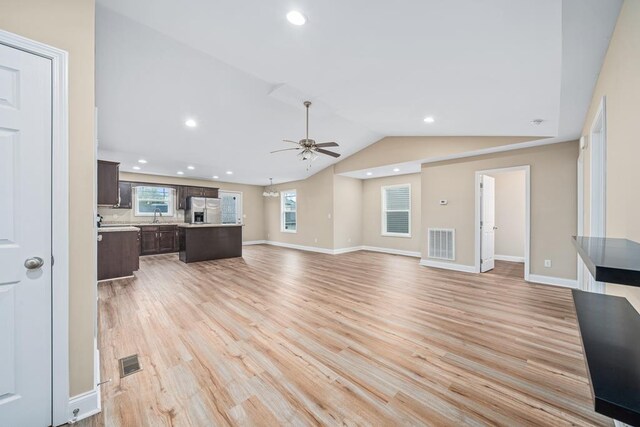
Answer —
188 225
113 229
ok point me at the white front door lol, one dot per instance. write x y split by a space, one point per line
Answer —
25 239
488 222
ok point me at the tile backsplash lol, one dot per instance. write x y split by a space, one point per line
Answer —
126 216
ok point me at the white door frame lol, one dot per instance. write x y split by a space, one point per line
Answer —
598 181
580 167
527 209
60 217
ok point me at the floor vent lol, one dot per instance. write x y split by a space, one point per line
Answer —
442 243
129 365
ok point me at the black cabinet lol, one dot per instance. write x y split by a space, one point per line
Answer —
167 240
149 242
108 173
125 195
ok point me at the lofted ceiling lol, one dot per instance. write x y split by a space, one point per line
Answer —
371 68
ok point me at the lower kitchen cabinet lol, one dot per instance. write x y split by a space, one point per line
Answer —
117 254
158 239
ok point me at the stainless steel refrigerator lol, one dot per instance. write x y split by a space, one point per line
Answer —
203 210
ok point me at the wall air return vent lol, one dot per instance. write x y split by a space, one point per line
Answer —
441 243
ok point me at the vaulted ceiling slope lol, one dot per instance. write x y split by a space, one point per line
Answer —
372 69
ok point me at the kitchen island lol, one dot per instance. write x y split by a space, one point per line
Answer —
204 242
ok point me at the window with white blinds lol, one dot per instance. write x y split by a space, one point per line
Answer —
396 210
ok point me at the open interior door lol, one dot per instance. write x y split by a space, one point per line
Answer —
487 222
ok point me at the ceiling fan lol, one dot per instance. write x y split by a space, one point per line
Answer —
309 147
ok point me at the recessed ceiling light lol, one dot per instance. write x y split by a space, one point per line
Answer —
296 18
190 123
396 169
229 172
369 173
215 177
180 173
136 168
190 168
429 119
143 161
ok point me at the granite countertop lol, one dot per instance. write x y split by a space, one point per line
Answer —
136 224
187 225
117 229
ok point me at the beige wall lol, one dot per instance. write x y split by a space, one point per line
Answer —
315 212
347 212
553 203
510 213
399 149
372 213
619 81
69 25
252 203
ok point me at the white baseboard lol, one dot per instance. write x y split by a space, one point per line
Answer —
347 250
556 281
448 266
300 247
87 404
508 258
254 242
392 251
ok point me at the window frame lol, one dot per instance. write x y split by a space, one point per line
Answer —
171 203
383 225
239 204
282 211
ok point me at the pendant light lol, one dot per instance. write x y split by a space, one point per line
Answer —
270 191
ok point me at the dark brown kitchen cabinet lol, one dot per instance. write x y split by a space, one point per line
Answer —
158 239
125 195
149 242
108 173
166 240
187 191
117 254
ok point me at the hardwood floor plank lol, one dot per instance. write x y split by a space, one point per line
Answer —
285 337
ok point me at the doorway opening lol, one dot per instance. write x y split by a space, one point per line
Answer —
503 221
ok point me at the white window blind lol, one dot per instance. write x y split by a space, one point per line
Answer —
396 210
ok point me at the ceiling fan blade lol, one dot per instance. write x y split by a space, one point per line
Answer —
288 140
328 144
285 149
327 152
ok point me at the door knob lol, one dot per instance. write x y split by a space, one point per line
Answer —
495 228
34 263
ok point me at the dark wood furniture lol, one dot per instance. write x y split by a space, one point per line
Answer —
117 254
207 242
108 176
183 192
125 195
610 330
158 239
610 260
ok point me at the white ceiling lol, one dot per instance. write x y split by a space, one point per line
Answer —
371 68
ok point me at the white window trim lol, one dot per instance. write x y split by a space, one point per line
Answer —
383 218
172 202
241 202
282 193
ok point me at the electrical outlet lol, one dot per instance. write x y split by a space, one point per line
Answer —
268 235
349 240
315 239
328 216
547 263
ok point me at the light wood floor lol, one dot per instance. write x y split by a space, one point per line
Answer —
284 337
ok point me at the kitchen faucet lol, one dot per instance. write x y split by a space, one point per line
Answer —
155 218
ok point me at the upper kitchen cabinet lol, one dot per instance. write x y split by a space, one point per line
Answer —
108 173
124 195
210 192
188 191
